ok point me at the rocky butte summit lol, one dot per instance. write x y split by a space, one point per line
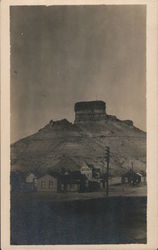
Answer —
90 111
71 145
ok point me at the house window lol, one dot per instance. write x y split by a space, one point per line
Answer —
43 184
50 184
73 186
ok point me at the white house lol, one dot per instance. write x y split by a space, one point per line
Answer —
85 170
30 178
47 183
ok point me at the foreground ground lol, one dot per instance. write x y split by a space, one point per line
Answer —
115 190
112 220
40 218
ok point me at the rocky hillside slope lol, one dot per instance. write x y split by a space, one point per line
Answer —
63 144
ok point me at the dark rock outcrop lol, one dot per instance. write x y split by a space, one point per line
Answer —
94 111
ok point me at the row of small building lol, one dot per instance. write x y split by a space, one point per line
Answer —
85 180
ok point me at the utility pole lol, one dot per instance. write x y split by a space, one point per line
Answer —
107 157
132 165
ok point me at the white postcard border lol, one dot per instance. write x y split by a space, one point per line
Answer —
152 123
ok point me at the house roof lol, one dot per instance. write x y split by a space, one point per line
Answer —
139 174
46 176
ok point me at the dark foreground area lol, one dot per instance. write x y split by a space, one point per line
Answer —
112 220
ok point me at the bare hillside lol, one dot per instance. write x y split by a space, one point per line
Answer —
63 144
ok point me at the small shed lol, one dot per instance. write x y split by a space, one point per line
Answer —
139 177
47 183
30 178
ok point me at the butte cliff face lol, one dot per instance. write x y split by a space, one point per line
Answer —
90 111
63 144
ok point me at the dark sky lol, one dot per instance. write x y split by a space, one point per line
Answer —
64 54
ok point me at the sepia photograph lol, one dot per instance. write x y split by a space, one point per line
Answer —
78 124
78 152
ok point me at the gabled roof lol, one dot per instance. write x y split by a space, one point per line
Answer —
46 176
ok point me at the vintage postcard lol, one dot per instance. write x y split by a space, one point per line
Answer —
79 125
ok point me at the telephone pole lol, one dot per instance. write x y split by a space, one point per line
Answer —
107 157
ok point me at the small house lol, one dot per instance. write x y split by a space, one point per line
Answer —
139 177
131 177
30 178
29 184
47 183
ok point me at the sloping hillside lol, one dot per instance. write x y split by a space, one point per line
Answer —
63 144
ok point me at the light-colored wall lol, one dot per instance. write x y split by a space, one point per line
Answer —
87 172
30 178
47 183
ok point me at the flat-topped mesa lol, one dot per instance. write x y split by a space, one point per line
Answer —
92 111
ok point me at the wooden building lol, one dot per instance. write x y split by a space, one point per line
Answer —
72 182
47 183
131 177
